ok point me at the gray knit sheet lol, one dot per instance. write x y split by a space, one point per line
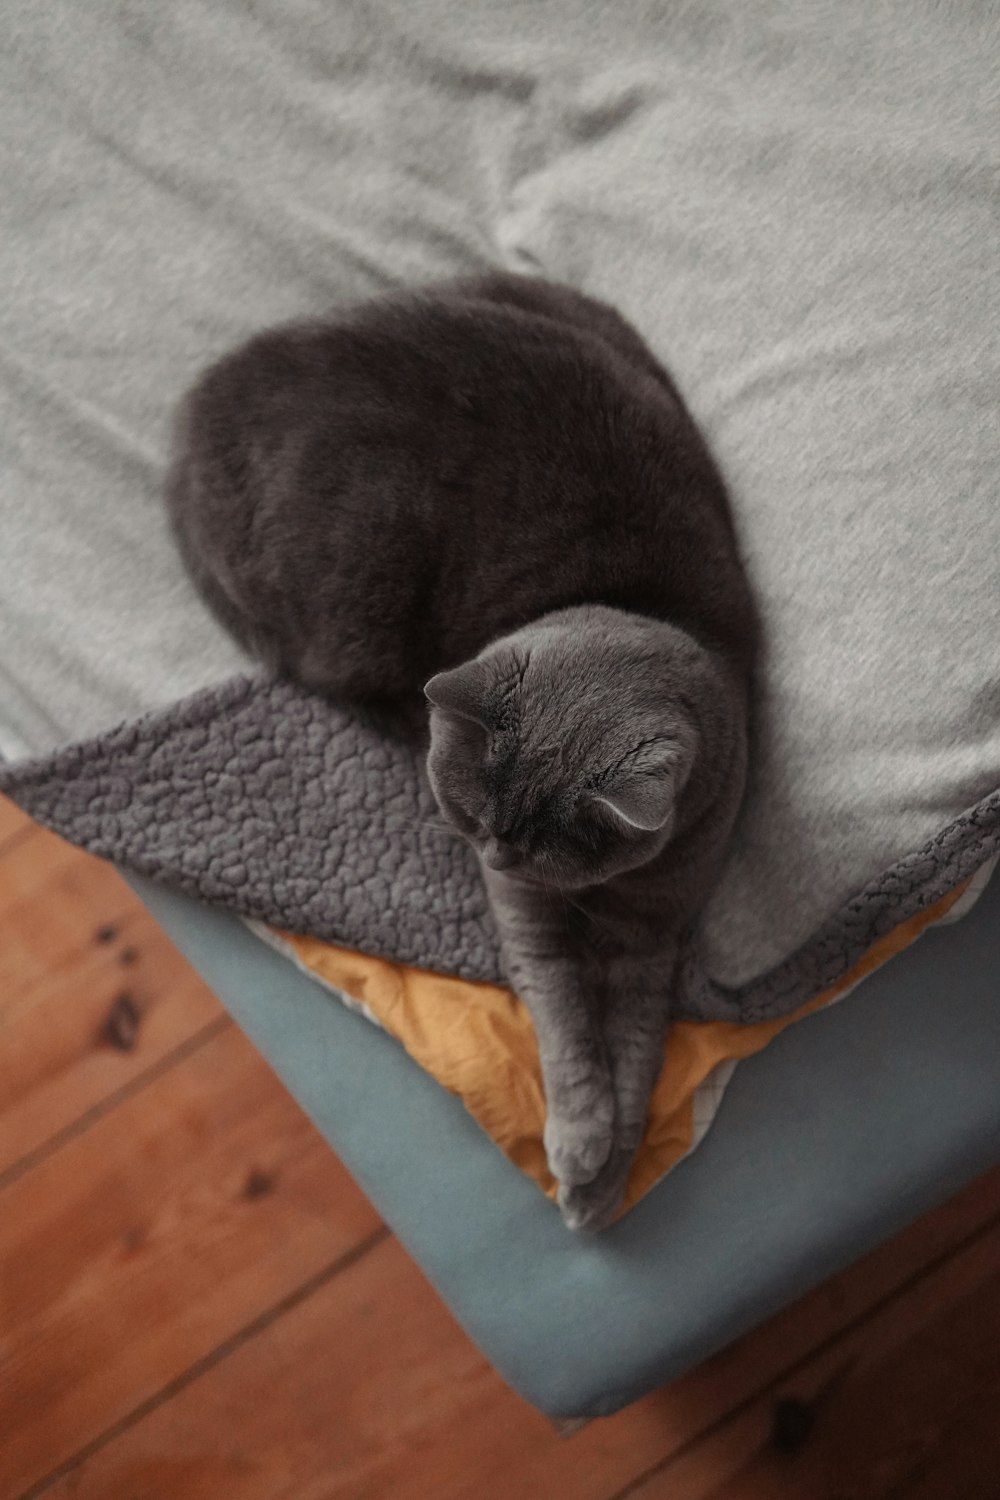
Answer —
798 207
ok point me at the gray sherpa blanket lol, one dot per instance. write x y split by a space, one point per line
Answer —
265 798
797 206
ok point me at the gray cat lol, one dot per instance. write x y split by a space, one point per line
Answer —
488 496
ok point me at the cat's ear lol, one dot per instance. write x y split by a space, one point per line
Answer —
644 795
461 692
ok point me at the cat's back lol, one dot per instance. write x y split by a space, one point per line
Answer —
381 493
576 471
287 487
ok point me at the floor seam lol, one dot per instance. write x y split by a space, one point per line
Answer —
211 1360
18 836
733 1412
106 1106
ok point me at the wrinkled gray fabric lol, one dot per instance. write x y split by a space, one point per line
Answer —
265 798
797 205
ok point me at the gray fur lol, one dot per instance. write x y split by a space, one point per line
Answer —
490 492
596 761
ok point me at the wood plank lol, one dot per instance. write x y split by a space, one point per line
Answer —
74 1038
891 1400
152 1238
54 899
965 1459
368 1380
13 822
922 1418
369 1388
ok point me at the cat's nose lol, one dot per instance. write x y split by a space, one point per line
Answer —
499 856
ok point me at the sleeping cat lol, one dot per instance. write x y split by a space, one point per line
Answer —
482 511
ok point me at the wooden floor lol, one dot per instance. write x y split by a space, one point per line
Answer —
196 1300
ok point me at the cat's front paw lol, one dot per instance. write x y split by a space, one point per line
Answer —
577 1149
591 1206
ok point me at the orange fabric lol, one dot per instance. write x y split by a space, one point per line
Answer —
477 1040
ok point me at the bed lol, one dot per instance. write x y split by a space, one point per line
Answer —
797 207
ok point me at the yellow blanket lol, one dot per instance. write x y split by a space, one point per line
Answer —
477 1040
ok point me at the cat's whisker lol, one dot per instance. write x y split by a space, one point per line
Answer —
440 826
431 825
549 890
592 918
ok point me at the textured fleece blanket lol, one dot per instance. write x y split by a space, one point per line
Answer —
268 799
797 206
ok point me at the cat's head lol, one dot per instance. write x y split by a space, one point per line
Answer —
560 752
